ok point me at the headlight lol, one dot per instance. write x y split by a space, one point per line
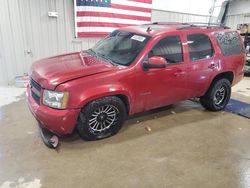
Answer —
55 99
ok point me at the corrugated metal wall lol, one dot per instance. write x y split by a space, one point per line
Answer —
168 16
233 20
238 13
27 33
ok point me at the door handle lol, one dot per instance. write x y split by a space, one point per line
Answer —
212 66
179 73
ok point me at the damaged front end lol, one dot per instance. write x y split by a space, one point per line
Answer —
49 138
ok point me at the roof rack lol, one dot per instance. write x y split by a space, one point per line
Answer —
155 23
166 23
189 25
200 24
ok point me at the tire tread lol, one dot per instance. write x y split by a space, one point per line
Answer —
207 100
82 120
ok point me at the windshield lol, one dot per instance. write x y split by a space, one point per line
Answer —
120 47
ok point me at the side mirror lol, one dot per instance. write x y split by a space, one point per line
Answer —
155 62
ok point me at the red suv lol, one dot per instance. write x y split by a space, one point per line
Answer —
135 69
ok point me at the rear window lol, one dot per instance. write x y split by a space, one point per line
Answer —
199 47
229 42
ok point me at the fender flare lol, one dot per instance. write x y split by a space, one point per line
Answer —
105 91
212 78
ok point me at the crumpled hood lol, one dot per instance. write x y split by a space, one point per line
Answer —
52 71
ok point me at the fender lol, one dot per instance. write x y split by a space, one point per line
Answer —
81 97
104 91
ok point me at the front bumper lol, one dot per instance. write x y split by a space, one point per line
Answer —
60 122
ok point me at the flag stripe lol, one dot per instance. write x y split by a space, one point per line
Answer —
101 24
112 15
96 29
97 18
132 3
142 1
112 10
110 20
126 7
92 34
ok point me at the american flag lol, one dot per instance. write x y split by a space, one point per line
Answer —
95 18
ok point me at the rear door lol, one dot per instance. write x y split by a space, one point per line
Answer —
202 62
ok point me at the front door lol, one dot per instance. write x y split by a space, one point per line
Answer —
162 86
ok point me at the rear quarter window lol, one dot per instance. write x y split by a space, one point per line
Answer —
230 43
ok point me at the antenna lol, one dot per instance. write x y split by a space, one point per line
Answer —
149 29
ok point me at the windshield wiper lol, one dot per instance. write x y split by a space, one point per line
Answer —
98 55
92 52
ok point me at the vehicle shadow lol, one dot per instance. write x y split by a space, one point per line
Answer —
146 123
139 125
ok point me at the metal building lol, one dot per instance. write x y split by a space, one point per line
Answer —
238 13
27 33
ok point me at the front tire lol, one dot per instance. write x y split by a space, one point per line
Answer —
101 118
217 96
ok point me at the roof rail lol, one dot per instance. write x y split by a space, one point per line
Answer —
167 23
200 24
189 25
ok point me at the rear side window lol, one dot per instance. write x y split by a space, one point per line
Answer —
169 48
199 47
229 42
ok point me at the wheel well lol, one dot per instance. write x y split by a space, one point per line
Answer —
124 100
228 75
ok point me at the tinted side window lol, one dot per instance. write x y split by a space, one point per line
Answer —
229 42
170 48
199 47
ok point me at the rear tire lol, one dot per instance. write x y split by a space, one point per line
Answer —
217 96
101 118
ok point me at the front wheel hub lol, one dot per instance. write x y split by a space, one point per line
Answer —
103 118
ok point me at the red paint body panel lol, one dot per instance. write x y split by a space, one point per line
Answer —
87 78
53 71
60 122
